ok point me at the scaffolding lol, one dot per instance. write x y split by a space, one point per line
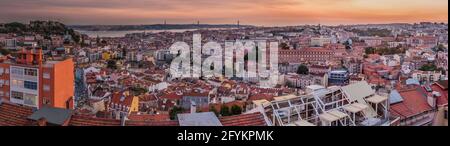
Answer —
298 111
333 106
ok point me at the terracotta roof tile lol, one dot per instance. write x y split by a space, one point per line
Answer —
443 99
147 117
255 119
152 123
116 99
172 96
79 120
260 96
414 102
14 115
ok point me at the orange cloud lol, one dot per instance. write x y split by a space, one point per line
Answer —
257 12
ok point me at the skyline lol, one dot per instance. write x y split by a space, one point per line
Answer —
248 12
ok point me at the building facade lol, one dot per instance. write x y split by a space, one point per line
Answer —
338 78
29 80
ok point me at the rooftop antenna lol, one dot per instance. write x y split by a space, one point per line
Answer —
238 24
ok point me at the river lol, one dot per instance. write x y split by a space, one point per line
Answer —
123 33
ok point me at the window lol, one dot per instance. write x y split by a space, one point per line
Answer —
46 101
1 93
16 71
30 72
46 88
17 83
17 95
46 75
30 99
30 85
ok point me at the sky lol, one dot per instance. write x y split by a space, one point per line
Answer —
252 12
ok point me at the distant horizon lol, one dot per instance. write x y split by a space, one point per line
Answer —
254 12
312 24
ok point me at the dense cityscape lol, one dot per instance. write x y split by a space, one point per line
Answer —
341 75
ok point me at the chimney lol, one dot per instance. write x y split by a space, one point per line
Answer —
432 99
122 118
42 122
193 107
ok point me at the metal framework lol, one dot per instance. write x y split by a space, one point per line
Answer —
328 107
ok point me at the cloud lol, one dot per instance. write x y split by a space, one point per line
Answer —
259 12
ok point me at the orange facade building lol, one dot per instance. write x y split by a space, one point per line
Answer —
29 80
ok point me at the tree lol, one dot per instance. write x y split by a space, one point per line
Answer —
212 109
370 50
302 70
236 110
284 46
428 67
138 90
225 111
174 112
4 51
112 64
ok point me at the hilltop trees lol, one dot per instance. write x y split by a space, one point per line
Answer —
303 70
44 28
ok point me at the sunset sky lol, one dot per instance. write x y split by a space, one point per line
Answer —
254 12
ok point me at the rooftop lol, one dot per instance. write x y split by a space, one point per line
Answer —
56 116
414 102
199 119
14 115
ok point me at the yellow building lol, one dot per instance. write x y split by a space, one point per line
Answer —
123 103
106 55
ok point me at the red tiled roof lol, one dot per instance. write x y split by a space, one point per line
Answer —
414 102
443 99
443 84
197 94
268 97
172 96
147 98
116 99
14 115
152 123
147 117
79 120
255 119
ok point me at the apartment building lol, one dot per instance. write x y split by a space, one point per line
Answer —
316 54
29 80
